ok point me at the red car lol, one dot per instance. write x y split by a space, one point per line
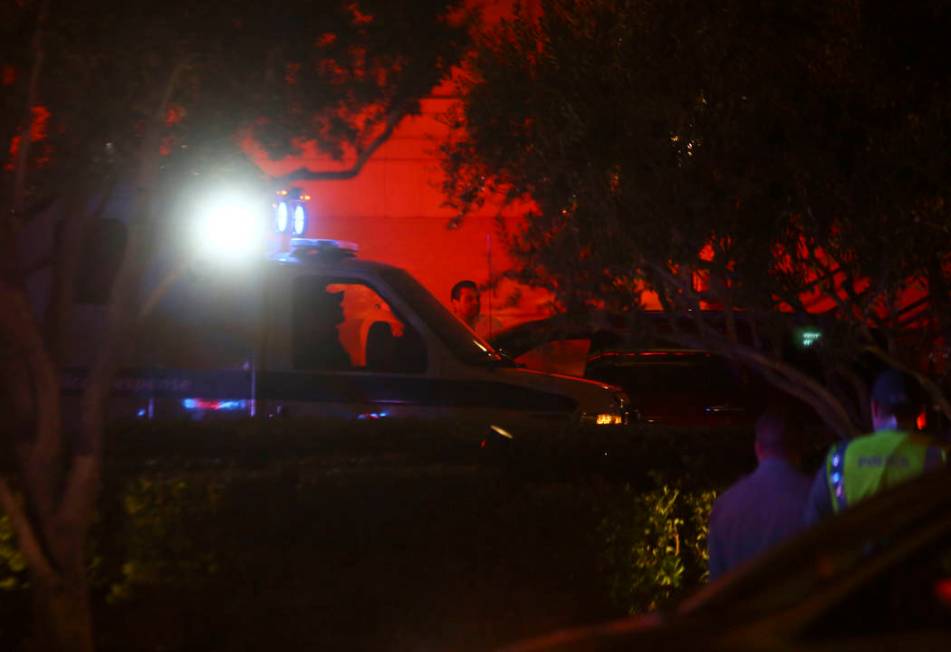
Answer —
668 386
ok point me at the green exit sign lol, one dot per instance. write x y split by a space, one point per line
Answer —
809 336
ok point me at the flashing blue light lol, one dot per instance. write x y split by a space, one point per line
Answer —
372 416
213 405
282 217
300 220
141 412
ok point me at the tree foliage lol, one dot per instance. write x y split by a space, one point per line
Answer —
770 158
655 544
145 96
338 72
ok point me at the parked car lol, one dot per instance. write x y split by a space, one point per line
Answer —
684 387
667 385
876 577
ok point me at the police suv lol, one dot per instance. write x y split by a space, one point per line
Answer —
316 331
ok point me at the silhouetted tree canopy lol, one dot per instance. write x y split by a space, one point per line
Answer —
337 72
741 155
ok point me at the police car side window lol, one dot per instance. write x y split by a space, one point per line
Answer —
345 325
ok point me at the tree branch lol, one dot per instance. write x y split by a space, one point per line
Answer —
27 541
66 259
719 287
39 455
82 479
781 375
844 307
303 174
934 391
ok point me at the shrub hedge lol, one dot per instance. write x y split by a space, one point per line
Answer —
165 483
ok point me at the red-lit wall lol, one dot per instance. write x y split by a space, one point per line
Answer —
394 209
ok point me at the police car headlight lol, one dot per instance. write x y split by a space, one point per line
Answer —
609 419
603 418
616 415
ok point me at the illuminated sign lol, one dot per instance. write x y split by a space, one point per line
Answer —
808 337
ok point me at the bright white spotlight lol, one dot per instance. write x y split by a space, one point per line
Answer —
230 227
282 217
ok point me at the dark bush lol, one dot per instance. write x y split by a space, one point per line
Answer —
231 514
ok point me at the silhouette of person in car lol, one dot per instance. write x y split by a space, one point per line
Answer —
320 347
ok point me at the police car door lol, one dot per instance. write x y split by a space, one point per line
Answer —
335 347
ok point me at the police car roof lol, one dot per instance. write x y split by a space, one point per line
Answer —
321 252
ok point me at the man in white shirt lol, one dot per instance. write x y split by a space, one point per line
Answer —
466 304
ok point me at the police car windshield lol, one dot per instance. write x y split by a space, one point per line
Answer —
464 344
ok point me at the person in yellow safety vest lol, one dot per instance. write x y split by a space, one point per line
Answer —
892 454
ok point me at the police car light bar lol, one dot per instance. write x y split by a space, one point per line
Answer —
320 245
192 404
290 215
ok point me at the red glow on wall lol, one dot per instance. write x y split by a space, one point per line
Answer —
394 209
14 148
40 119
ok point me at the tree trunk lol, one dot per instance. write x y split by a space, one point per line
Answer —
62 615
